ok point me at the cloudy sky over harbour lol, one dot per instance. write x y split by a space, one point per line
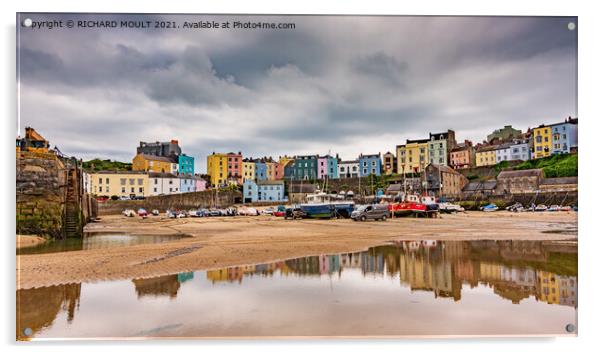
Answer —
340 84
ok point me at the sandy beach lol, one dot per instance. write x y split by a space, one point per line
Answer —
229 241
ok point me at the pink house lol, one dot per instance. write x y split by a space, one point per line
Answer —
322 167
200 184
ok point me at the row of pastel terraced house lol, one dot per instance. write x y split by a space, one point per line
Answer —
232 168
505 144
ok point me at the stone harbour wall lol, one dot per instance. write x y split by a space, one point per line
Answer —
182 201
40 194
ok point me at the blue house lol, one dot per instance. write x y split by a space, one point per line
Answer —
186 165
333 167
564 136
270 191
263 191
187 183
370 165
249 191
261 170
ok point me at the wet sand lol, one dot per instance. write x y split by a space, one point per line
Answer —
29 241
228 241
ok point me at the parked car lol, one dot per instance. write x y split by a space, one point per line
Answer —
215 212
193 213
123 197
155 212
373 211
294 213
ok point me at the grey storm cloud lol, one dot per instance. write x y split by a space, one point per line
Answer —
342 84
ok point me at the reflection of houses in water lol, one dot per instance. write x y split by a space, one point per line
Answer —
423 272
304 266
556 289
37 308
465 271
490 272
350 260
516 284
548 287
372 263
329 264
184 277
522 250
167 285
440 267
568 290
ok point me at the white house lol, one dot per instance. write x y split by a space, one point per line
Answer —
518 150
163 183
349 169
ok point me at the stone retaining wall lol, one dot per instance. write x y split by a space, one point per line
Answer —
182 201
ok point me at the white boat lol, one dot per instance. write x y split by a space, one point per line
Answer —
446 207
541 207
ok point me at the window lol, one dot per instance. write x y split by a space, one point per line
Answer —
139 181
132 181
100 188
170 181
100 181
141 189
132 189
122 181
107 180
123 189
156 181
155 189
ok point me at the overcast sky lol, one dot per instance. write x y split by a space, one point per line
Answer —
341 84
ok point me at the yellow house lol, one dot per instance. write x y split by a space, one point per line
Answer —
152 163
542 141
217 168
119 183
248 169
485 156
412 157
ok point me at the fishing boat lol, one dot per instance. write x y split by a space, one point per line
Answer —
554 208
280 211
489 208
407 205
565 208
142 212
325 206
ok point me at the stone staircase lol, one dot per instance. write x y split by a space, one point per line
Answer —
72 222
